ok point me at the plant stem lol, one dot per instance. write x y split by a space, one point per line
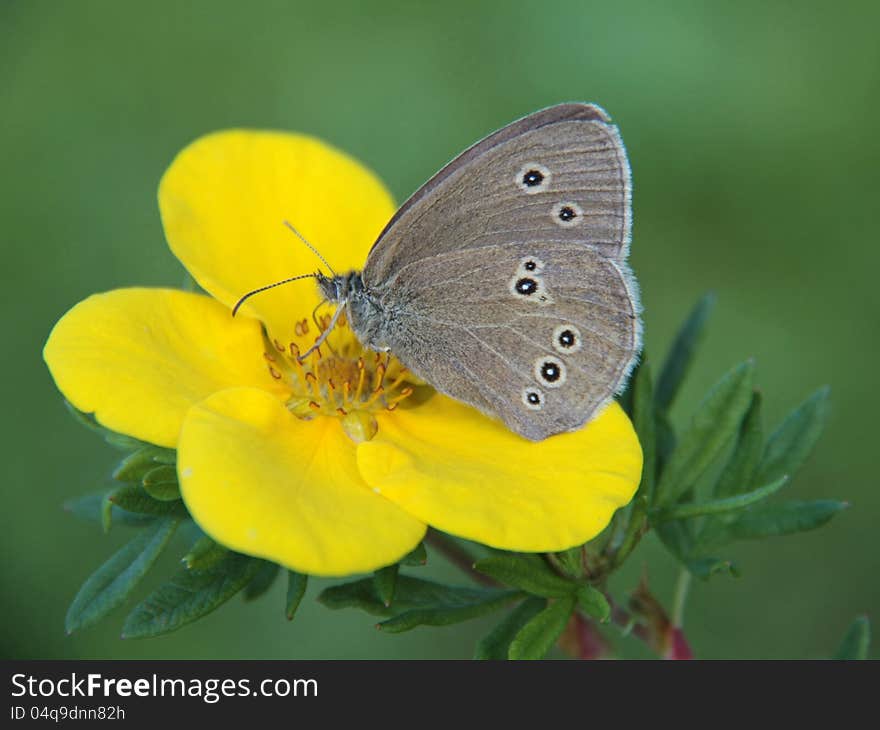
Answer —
682 585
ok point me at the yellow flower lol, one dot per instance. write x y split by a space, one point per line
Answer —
332 466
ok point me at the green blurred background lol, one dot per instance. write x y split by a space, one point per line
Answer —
752 130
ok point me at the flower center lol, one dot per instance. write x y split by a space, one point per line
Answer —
339 378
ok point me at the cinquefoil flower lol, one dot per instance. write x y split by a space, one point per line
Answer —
335 465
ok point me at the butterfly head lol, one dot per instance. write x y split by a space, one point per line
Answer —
340 287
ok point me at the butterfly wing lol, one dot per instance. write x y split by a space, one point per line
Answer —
518 241
480 198
543 348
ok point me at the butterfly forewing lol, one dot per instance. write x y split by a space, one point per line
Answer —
503 281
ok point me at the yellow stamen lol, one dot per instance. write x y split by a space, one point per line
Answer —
361 375
375 396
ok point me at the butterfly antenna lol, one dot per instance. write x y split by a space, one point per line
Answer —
311 247
270 286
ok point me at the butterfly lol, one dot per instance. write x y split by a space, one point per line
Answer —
503 281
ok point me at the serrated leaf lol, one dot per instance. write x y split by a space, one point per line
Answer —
857 641
791 443
204 553
134 498
91 507
538 636
496 644
593 603
681 354
385 581
645 423
490 601
134 466
114 581
689 510
262 581
418 556
296 589
531 576
188 596
706 567
738 474
715 423
772 520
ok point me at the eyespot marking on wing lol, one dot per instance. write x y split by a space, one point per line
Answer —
533 178
567 339
529 286
550 371
533 399
567 214
530 265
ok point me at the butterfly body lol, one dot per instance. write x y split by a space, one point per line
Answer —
503 281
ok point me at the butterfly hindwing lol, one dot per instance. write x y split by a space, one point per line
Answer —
542 347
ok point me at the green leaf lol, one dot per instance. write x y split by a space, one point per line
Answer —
645 424
385 581
134 466
571 562
593 603
134 498
531 576
638 523
681 354
538 636
356 594
705 568
419 556
717 506
114 581
204 553
666 442
792 442
296 589
426 599
91 507
262 581
161 484
771 520
188 596
488 602
739 472
496 644
857 642
712 428
678 539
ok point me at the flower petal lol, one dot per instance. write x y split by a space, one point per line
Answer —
265 483
224 201
468 475
139 358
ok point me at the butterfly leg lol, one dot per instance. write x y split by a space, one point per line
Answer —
320 341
